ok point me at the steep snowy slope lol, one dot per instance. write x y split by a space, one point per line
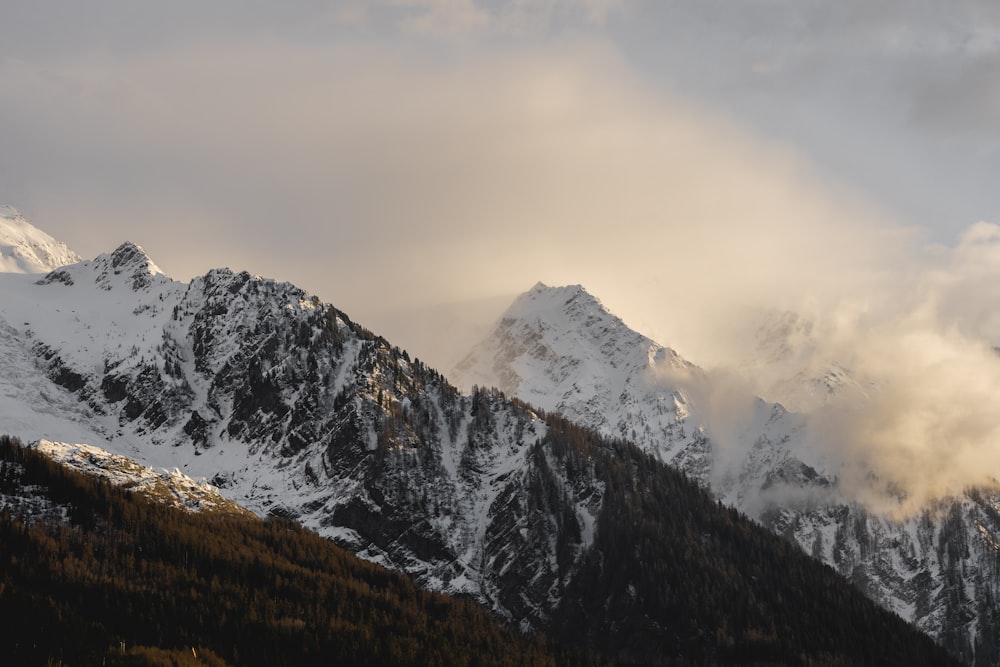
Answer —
562 350
26 249
27 399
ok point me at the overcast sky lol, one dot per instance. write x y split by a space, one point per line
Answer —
682 159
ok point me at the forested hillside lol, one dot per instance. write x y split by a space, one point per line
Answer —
672 578
700 580
129 581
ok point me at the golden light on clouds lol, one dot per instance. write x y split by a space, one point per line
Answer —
394 176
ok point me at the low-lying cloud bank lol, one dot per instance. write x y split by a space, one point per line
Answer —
905 376
895 366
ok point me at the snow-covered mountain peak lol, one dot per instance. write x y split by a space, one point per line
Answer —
129 254
130 260
543 302
560 349
563 311
551 331
572 317
26 249
128 266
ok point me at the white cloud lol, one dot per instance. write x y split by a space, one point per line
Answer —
466 18
430 176
445 17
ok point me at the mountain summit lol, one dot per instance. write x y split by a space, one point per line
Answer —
128 264
549 324
27 249
559 348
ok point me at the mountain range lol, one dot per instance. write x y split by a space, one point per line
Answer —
292 410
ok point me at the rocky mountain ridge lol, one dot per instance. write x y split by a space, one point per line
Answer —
291 408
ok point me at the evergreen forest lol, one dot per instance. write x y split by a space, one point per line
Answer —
106 577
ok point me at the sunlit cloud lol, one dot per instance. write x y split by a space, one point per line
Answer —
424 153
520 18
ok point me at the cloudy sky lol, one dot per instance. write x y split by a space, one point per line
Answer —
693 163
682 159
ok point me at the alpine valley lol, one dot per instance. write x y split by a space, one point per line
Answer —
253 391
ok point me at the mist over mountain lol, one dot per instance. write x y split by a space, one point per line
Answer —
932 559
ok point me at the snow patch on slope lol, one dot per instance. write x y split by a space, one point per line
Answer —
168 486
